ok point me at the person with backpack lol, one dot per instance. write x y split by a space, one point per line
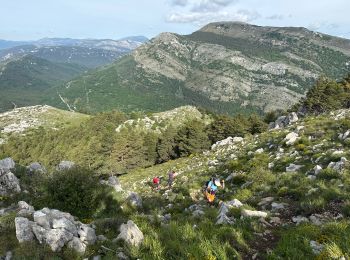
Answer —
212 187
156 183
171 177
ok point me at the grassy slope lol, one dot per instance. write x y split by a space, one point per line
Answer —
23 81
189 237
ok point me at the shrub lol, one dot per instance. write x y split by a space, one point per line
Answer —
76 191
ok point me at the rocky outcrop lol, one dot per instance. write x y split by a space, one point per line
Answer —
228 141
284 121
130 233
253 213
338 166
291 138
9 183
54 228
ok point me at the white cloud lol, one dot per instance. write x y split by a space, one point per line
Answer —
211 5
276 17
179 2
322 25
207 17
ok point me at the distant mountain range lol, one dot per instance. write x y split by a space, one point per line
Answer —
27 70
227 67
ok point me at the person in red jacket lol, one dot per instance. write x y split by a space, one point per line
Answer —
156 182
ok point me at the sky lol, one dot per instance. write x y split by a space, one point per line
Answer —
114 19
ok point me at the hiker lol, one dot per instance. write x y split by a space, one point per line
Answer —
212 187
156 182
171 177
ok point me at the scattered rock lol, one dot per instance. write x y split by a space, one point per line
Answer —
338 166
316 247
299 219
113 182
54 228
277 206
291 138
266 201
284 121
317 169
65 165
226 142
130 233
134 200
122 256
36 167
24 209
294 167
253 213
9 183
344 136
259 151
7 164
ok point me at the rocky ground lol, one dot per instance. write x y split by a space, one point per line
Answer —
286 196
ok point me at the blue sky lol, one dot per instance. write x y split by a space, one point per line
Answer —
34 19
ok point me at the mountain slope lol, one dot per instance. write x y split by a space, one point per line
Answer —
23 80
224 66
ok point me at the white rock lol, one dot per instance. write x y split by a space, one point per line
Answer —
40 233
277 206
235 203
291 138
317 169
36 167
23 230
57 238
7 164
134 200
259 151
130 233
42 219
66 224
65 165
9 183
77 245
87 234
338 166
316 247
253 213
299 219
294 167
113 182
266 201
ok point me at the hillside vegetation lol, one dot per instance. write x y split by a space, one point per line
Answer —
286 196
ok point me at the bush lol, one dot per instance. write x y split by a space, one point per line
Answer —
76 191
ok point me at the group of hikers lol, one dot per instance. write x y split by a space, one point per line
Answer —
210 188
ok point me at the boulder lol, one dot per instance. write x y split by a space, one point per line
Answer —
253 213
235 203
259 151
266 200
299 219
40 233
65 165
294 167
122 256
316 247
344 136
130 233
9 183
42 219
114 183
134 200
7 164
77 245
338 166
23 230
57 238
277 206
36 167
65 224
284 121
87 234
317 169
24 209
291 138
226 142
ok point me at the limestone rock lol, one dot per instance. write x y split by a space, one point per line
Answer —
294 167
65 224
23 230
338 166
42 219
299 219
77 245
316 247
65 165
253 213
87 235
7 164
36 167
134 200
8 183
284 121
114 183
317 169
130 233
291 138
57 238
